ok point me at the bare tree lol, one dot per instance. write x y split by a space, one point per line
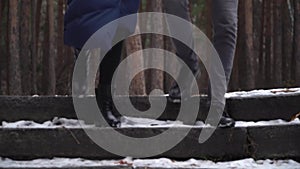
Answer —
297 41
246 73
134 45
258 21
157 41
277 45
14 54
52 46
1 48
34 41
268 44
25 56
49 78
287 39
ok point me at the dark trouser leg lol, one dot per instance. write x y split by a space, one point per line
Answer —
107 68
225 23
109 64
180 8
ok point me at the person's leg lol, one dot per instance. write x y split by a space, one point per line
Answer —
225 24
180 8
108 66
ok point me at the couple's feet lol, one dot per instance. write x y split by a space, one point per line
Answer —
175 97
113 118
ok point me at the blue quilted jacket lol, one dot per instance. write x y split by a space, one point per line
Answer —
84 17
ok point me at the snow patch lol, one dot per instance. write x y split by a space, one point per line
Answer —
264 93
159 163
55 123
131 122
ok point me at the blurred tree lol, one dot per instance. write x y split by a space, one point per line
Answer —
258 27
288 25
14 75
49 78
52 45
297 42
35 60
1 47
25 55
277 45
134 45
245 40
34 46
156 78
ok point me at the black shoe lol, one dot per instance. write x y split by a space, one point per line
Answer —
226 122
175 94
106 106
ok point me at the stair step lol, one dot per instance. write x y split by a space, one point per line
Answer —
252 108
128 163
69 167
259 142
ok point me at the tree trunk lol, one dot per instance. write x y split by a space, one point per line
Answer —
157 41
261 77
277 45
287 39
52 46
34 46
134 44
258 22
168 80
60 60
6 48
246 72
297 42
208 29
268 45
49 78
209 34
25 56
14 58
1 48
38 20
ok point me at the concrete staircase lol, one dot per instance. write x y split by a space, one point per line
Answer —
258 142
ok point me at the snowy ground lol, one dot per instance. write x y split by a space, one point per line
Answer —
130 122
247 94
264 93
163 163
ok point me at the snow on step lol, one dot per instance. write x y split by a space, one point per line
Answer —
130 122
263 93
153 163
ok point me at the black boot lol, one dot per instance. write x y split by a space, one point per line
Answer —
105 102
175 94
226 121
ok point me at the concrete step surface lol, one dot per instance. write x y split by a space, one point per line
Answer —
259 142
255 108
